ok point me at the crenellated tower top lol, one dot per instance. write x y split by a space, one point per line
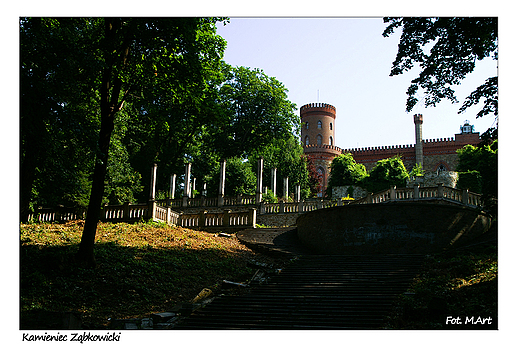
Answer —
310 108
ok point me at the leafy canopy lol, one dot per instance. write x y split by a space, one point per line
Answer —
386 173
345 171
446 50
483 160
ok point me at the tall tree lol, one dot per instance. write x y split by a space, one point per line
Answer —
286 154
57 118
446 50
138 55
255 110
116 55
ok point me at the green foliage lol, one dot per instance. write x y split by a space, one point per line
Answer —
285 154
123 181
269 197
58 117
171 100
386 173
470 180
446 49
167 71
240 178
345 171
417 170
254 110
484 160
461 282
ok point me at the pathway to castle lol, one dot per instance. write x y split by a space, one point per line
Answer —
312 292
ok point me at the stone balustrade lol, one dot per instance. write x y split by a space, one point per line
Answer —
163 211
464 197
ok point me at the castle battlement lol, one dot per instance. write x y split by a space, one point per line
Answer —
439 141
322 148
318 107
377 148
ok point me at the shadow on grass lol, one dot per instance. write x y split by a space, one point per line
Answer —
128 282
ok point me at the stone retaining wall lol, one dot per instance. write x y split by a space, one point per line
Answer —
277 220
391 228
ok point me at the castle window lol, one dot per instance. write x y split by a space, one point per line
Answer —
319 124
441 168
319 140
307 125
330 141
307 140
330 126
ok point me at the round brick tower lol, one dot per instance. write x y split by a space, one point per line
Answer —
318 136
318 124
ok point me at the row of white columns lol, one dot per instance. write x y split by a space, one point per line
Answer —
189 187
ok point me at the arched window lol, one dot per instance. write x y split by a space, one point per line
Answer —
307 140
319 124
330 126
307 125
331 141
319 140
441 168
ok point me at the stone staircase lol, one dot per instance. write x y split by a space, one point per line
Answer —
315 292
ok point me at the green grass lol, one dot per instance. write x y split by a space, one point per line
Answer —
141 269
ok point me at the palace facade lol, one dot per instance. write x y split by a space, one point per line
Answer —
435 155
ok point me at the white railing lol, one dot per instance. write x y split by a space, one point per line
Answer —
226 218
153 210
295 207
57 214
464 197
206 202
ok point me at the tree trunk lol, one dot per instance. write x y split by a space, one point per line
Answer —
110 105
85 255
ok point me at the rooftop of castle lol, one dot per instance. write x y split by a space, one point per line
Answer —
317 105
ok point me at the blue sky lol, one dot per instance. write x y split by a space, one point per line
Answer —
348 61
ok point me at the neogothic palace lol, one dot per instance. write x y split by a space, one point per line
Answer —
318 135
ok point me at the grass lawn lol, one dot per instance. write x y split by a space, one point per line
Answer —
142 268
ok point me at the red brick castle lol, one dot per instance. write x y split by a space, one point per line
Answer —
318 135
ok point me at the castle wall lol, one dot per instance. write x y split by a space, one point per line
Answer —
322 157
368 156
434 154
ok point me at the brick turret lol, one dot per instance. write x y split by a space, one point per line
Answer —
318 136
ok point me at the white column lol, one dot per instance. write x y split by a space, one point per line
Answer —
259 176
187 174
273 180
173 178
297 193
152 182
222 183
